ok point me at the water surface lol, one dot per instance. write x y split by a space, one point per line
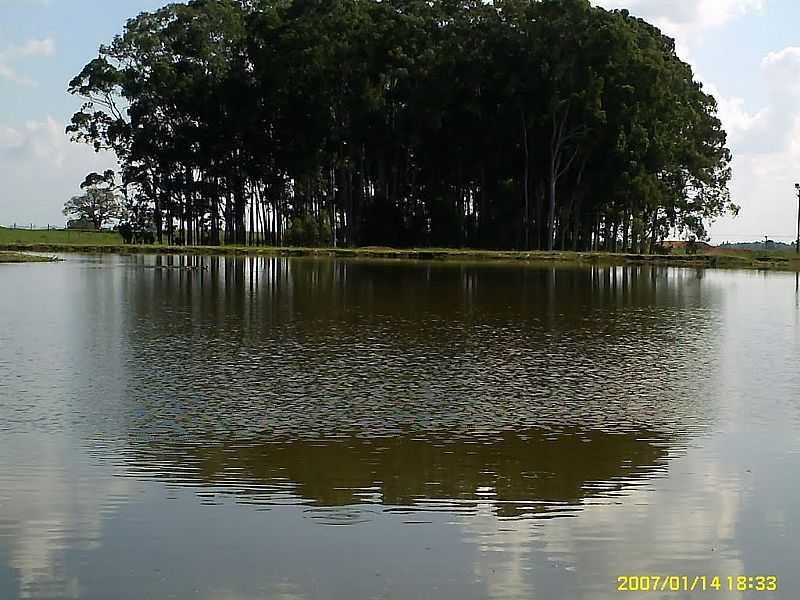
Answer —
240 429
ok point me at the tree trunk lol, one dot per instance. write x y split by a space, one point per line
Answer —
551 208
614 232
525 176
625 220
654 232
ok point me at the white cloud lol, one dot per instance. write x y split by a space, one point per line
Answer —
660 516
9 73
30 49
48 512
737 120
766 145
43 47
9 137
782 73
41 168
691 14
40 141
686 20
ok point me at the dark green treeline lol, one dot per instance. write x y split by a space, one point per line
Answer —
514 124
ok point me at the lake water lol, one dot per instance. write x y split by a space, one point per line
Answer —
246 429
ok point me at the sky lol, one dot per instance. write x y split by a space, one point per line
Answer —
746 52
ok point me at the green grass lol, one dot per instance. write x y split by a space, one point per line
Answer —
111 243
57 236
16 257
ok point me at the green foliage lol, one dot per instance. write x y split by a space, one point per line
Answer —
305 231
512 124
136 222
98 205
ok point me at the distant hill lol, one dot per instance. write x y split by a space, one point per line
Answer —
769 245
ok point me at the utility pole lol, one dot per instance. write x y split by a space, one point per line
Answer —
797 245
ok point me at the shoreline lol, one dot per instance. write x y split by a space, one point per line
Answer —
8 257
720 261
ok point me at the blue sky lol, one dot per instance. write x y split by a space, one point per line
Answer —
747 52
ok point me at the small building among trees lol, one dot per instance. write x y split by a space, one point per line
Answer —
687 246
82 224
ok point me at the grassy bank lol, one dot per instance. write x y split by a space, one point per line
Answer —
59 241
714 259
57 236
16 257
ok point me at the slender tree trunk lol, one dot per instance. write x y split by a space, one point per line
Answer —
252 210
525 177
157 212
577 225
625 220
239 204
215 217
551 206
614 232
483 228
332 200
654 232
538 212
189 196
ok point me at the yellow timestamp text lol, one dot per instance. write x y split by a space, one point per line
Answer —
697 583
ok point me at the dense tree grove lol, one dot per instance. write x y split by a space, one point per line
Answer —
530 124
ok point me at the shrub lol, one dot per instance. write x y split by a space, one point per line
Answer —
304 230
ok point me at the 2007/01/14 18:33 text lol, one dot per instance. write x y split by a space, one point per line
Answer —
696 583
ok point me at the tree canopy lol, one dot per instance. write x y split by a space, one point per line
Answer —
97 204
513 124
